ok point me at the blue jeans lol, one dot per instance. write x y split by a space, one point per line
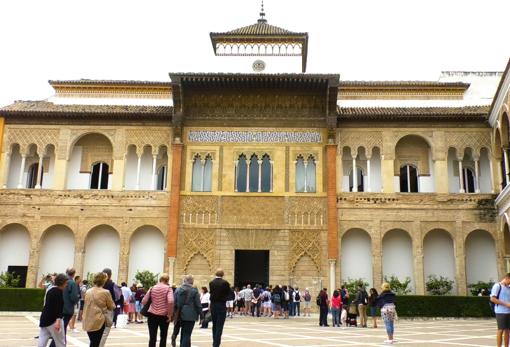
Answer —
218 315
335 313
186 330
297 309
389 326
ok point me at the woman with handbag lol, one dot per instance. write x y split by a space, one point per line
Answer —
96 315
160 301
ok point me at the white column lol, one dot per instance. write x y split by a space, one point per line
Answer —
6 170
305 163
21 171
461 177
369 187
260 175
153 182
271 178
248 162
138 167
202 163
507 170
236 163
354 175
477 176
100 179
332 275
39 173
491 169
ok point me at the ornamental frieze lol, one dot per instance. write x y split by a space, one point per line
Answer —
218 136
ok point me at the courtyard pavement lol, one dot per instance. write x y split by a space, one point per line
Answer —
246 332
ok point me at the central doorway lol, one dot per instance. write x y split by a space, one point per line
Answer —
251 267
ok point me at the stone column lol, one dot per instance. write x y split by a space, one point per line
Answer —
461 176
339 173
21 171
460 260
507 168
171 269
271 177
79 257
441 176
377 270
175 194
477 175
138 168
153 180
33 263
388 172
332 273
39 173
491 169
418 259
59 180
332 209
248 175
354 175
369 184
260 175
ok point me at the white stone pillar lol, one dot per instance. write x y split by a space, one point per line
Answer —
354 175
271 178
100 179
507 170
248 175
153 181
138 168
461 177
491 169
260 175
202 163
369 184
236 163
39 173
332 275
477 176
305 163
21 171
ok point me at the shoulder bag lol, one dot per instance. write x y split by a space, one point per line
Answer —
145 309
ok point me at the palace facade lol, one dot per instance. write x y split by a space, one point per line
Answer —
284 177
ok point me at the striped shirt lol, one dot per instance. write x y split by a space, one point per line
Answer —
162 300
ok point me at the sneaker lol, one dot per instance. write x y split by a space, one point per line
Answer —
75 330
388 342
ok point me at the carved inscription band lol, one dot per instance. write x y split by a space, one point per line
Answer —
255 136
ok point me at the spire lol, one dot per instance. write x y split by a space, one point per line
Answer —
262 14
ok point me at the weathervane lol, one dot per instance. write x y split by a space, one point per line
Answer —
262 13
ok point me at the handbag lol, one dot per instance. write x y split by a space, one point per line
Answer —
177 313
145 309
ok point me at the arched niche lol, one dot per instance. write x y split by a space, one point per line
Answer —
480 253
146 251
57 250
102 248
397 255
438 255
14 246
356 256
198 266
413 151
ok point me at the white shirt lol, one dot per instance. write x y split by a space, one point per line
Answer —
126 293
205 299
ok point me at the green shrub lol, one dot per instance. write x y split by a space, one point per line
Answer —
146 278
477 287
439 286
352 285
21 299
442 306
9 280
397 286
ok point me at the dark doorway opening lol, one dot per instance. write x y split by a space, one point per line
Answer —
251 267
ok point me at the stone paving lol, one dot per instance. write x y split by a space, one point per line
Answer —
246 332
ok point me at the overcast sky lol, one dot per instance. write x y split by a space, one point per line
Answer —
144 40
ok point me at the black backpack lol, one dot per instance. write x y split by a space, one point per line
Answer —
276 298
318 301
491 304
297 297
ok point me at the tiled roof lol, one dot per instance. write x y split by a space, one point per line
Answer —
83 111
110 82
475 113
261 28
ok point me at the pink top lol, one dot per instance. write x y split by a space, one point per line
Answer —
336 302
162 300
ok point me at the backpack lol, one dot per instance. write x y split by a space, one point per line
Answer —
266 296
277 299
364 297
308 297
118 292
297 297
287 298
318 301
491 304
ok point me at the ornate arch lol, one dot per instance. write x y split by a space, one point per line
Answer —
305 242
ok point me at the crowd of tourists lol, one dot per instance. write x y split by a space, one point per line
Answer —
102 304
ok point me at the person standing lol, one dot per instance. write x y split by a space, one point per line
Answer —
386 301
71 296
372 303
117 299
139 294
126 293
336 308
297 301
248 295
83 289
187 303
255 301
72 322
50 323
220 290
231 302
500 297
96 316
205 301
307 301
323 303
160 310
276 299
362 301
285 302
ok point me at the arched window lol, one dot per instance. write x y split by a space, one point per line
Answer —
254 175
408 179
305 175
202 174
32 175
99 176
359 177
468 179
162 173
